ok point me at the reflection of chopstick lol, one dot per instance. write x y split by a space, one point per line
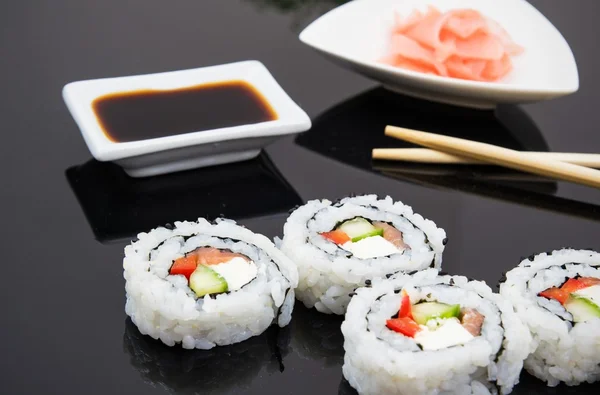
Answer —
499 156
425 155
446 171
528 198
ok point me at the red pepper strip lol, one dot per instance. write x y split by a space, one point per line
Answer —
590 281
575 284
185 266
405 326
556 293
405 307
336 236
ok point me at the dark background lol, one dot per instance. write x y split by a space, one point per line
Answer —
63 327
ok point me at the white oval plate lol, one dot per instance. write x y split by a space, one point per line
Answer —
356 34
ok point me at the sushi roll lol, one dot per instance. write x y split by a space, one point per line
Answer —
431 334
204 284
557 294
340 246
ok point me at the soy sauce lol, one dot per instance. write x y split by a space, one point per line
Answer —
147 114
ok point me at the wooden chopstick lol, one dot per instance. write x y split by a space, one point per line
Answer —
425 155
499 156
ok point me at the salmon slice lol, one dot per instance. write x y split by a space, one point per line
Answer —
470 69
511 47
403 24
214 256
415 17
459 43
498 68
392 235
465 23
471 320
427 33
399 61
479 46
411 50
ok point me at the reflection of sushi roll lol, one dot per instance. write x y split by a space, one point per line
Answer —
228 369
557 294
317 336
431 334
203 284
345 388
339 246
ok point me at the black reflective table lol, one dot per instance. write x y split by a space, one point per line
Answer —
67 217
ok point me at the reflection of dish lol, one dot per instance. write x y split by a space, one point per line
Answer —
349 131
222 369
118 207
317 336
355 35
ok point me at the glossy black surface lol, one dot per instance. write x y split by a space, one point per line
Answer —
64 329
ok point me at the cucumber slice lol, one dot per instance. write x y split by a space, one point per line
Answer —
204 281
376 232
426 311
582 309
590 293
358 228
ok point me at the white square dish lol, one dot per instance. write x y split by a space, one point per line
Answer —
356 34
195 149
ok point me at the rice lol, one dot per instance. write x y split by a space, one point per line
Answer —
328 273
380 361
564 351
164 307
